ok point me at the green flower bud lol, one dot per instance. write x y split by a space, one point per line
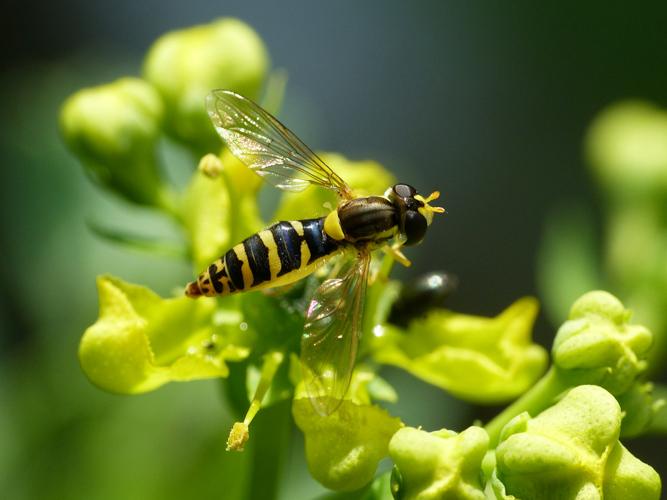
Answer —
380 488
364 177
627 148
141 341
571 450
639 407
113 130
186 65
438 465
597 345
344 448
495 489
496 354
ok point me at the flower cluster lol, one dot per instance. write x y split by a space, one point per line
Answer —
142 341
558 440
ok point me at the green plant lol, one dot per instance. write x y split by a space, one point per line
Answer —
142 341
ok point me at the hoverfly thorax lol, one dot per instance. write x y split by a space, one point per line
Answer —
414 212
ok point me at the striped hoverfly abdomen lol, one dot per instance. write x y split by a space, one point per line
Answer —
278 255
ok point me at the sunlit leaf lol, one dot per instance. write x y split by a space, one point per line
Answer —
496 354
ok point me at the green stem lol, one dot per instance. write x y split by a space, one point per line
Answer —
234 201
539 397
167 201
275 91
272 362
379 298
240 432
270 445
658 425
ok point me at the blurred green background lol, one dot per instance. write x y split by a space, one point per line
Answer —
489 103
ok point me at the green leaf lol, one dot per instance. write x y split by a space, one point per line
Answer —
185 65
440 464
496 354
274 320
344 448
568 260
139 242
141 341
571 450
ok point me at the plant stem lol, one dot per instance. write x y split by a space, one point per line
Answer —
274 94
658 425
272 362
539 397
167 201
270 444
379 298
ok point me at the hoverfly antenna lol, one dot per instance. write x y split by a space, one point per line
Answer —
427 210
431 197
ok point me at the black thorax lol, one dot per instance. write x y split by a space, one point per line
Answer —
364 218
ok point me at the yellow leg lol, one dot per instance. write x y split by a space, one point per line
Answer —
397 255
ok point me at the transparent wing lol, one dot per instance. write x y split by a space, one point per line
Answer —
331 333
266 146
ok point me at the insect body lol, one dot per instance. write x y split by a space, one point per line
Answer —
289 250
281 254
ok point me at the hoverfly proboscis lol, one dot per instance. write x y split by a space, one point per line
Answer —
287 251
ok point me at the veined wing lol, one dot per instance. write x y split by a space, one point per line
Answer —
332 331
266 146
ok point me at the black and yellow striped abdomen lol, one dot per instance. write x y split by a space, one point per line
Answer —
278 255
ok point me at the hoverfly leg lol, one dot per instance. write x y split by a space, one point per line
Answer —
395 252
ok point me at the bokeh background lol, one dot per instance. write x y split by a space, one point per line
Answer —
487 102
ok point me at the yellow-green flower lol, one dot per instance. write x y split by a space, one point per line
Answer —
571 450
141 341
439 465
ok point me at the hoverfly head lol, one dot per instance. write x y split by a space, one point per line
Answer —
414 212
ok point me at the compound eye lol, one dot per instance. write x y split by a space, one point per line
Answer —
404 190
415 227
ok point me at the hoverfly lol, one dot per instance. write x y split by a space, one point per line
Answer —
287 251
